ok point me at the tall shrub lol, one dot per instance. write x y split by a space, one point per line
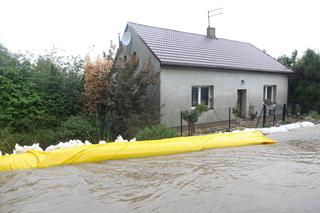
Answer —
128 105
39 92
21 106
59 80
304 84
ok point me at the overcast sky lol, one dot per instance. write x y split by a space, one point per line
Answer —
277 26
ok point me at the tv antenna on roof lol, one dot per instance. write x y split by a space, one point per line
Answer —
214 12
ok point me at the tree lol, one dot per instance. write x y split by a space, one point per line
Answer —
128 105
191 116
20 104
59 81
95 82
39 92
289 61
304 84
96 74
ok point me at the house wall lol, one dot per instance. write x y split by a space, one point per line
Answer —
144 54
176 84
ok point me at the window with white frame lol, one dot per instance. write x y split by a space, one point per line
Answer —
270 93
202 95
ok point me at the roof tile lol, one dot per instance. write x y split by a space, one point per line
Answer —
188 49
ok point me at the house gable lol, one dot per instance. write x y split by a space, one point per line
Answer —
140 48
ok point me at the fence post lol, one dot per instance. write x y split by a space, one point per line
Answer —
229 119
180 123
264 115
284 113
274 116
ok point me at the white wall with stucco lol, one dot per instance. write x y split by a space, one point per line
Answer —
176 84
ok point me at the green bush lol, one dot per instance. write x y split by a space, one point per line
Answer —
193 114
190 116
5 145
236 111
77 127
201 108
8 139
39 92
156 132
312 116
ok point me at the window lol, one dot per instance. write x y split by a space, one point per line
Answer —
205 95
195 96
270 93
202 95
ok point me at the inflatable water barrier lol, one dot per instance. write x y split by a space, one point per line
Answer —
124 150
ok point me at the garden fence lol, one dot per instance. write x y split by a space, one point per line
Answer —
262 116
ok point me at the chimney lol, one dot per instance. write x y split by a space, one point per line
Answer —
211 32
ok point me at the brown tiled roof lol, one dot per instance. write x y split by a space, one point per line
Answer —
178 48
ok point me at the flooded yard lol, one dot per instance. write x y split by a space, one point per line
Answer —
284 177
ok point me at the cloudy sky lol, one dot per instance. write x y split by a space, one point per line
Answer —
77 26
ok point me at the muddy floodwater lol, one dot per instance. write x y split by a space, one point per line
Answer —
284 177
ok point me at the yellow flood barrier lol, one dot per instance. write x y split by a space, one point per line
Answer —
123 150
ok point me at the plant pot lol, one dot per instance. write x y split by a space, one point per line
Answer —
237 120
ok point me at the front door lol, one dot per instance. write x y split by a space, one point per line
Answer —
242 102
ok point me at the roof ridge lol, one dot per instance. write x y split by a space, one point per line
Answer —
180 31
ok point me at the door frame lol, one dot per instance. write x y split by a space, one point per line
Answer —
242 102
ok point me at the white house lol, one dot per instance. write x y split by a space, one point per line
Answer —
196 69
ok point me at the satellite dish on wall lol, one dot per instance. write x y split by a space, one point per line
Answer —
126 39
